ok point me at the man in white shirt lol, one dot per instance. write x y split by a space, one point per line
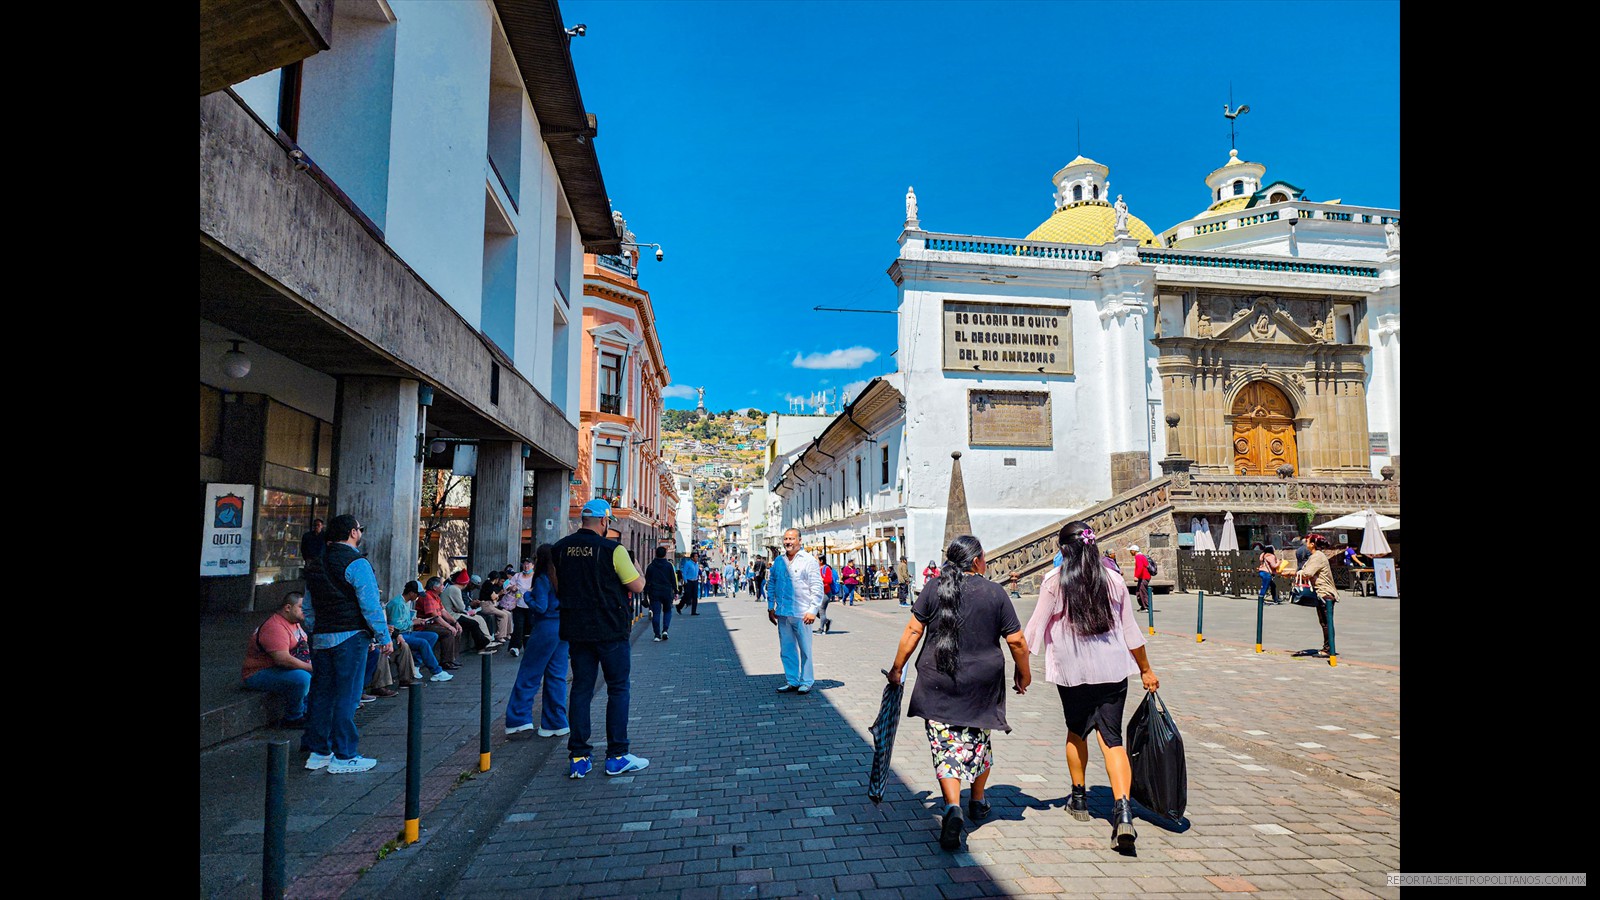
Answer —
792 605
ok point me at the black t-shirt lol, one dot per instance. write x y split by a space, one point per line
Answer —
976 697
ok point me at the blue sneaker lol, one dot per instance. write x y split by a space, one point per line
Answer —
616 765
581 766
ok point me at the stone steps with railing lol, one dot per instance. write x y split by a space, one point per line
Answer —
1159 506
1032 555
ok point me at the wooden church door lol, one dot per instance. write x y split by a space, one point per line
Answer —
1263 431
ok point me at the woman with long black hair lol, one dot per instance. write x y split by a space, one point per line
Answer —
1091 643
961 683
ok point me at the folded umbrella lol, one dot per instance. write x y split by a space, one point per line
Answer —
883 729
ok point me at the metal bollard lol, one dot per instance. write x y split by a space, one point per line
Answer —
1261 605
272 836
1150 608
1333 648
486 707
414 764
1200 619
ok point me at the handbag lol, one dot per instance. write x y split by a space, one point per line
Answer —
1305 595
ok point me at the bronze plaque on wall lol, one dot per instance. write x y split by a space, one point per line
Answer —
1008 418
1007 337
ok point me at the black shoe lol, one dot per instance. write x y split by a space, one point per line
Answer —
978 810
1122 833
950 831
1078 803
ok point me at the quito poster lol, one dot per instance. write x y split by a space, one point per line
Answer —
225 531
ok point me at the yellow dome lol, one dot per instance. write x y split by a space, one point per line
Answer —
1091 222
1226 206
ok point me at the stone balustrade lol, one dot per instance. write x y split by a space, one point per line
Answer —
1273 264
1005 247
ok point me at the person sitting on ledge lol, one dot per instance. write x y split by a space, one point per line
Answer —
277 659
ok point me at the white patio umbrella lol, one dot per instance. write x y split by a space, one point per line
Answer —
1202 534
1359 520
1230 538
1372 540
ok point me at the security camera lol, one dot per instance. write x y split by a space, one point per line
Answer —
578 31
660 255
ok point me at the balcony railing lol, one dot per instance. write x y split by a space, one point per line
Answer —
612 495
1154 257
611 403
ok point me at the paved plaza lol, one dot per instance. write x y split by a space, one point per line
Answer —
1293 779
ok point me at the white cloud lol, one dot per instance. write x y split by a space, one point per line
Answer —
680 391
848 358
849 391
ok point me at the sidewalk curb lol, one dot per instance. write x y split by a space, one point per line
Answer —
343 866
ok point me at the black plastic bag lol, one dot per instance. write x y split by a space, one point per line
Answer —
1155 749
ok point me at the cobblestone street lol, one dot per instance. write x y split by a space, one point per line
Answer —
1293 783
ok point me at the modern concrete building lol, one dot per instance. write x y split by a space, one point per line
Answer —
395 200
619 429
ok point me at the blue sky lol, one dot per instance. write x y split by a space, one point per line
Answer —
767 146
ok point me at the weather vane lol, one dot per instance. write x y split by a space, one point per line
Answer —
1231 116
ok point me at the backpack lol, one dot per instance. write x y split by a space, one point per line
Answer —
1150 566
827 579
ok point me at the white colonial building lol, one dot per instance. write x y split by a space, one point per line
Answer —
1268 324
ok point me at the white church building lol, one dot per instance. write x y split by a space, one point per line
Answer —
1268 323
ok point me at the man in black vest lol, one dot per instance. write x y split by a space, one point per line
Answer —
343 613
593 578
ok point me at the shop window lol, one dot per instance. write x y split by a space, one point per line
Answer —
280 523
210 421
291 438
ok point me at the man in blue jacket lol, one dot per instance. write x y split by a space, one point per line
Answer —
691 586
344 613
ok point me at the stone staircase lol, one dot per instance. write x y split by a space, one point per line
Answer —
1162 506
1124 519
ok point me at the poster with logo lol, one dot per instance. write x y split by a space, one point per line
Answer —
1388 584
225 533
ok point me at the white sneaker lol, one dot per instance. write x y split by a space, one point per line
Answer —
416 672
318 760
543 732
442 676
357 764
516 651
515 729
656 639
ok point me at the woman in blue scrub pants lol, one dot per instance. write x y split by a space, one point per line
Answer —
544 658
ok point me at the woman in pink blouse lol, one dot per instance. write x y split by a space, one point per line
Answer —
1091 644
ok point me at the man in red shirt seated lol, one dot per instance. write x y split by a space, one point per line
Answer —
277 658
432 616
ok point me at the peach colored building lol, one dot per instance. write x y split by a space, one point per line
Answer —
619 419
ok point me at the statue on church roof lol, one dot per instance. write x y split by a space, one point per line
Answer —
1391 236
1122 217
911 209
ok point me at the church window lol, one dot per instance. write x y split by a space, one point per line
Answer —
1097 192
1279 197
1077 193
1238 187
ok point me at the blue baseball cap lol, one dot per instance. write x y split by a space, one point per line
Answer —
596 509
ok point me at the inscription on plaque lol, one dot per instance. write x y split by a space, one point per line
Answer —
1008 419
1007 337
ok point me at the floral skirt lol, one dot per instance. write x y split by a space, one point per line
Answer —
959 751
